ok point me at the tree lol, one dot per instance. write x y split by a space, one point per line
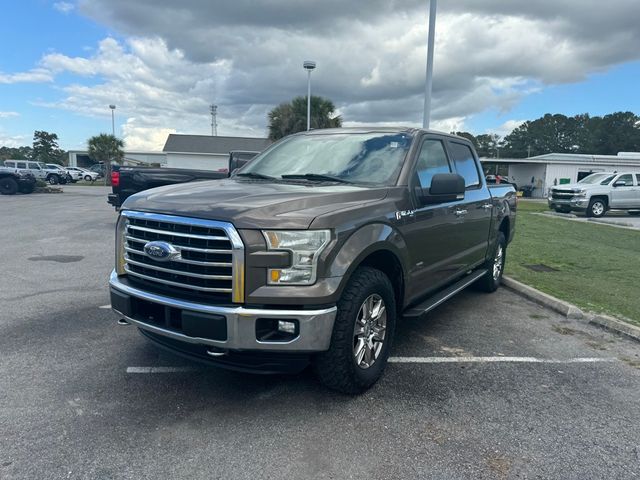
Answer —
488 145
288 118
468 136
106 149
45 148
616 132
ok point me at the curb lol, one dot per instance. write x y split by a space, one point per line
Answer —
571 311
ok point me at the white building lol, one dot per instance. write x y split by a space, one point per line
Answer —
207 152
545 171
80 158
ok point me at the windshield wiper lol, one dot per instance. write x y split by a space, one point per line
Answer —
316 176
255 175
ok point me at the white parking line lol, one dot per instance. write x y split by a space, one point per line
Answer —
415 360
104 306
496 359
161 369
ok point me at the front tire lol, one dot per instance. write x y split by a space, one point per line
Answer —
8 186
53 179
87 178
597 208
495 267
362 334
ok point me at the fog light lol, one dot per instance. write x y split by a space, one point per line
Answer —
286 327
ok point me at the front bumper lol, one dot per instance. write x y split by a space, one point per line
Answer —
226 328
576 203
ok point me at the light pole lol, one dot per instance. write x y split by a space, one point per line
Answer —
214 120
113 122
309 66
107 169
429 82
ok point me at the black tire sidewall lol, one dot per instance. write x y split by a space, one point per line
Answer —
8 186
337 367
53 179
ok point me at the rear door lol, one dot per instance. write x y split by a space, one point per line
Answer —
470 237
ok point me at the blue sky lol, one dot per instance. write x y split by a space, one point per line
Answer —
76 59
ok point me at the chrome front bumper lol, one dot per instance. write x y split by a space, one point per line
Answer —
315 326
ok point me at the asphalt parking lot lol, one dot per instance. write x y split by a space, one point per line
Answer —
488 386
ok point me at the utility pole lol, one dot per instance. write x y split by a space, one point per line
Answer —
430 46
113 121
214 120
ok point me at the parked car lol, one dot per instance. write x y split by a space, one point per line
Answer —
126 181
13 180
63 176
98 168
79 173
312 251
39 170
597 193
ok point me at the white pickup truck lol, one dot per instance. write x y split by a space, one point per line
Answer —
597 193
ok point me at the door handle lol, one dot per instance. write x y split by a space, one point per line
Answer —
487 206
460 213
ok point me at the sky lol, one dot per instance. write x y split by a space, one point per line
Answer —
162 63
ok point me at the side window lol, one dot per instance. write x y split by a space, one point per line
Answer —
638 178
431 160
628 179
20 164
33 166
465 164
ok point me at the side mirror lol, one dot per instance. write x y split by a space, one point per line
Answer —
620 183
445 187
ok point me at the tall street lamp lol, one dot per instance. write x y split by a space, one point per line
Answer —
309 66
107 169
429 82
113 122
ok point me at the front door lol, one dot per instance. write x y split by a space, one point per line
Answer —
623 192
430 228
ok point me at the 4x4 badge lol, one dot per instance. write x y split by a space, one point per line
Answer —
405 213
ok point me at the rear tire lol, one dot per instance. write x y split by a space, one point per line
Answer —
597 208
495 267
360 344
87 178
53 179
27 188
8 186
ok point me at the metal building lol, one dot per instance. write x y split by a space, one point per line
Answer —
545 171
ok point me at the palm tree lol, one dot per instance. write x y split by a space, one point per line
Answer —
106 149
288 118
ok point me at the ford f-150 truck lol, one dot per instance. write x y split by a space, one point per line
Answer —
312 252
597 193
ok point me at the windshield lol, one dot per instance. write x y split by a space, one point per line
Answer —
601 178
368 158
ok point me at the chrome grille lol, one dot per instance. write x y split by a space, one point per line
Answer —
562 194
210 259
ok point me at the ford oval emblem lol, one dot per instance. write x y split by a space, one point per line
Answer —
161 251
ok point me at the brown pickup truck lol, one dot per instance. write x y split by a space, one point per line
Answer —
312 252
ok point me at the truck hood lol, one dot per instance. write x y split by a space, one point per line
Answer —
573 186
253 204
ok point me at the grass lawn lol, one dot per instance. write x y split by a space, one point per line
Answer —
598 265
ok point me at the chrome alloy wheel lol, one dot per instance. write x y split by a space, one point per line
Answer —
597 208
497 263
369 331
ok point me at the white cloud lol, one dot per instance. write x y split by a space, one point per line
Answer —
507 127
64 7
37 75
8 114
12 141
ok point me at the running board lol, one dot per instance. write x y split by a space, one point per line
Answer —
443 296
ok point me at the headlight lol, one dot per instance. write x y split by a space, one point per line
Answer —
305 247
581 193
121 230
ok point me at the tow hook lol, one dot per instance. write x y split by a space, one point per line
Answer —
214 352
122 321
